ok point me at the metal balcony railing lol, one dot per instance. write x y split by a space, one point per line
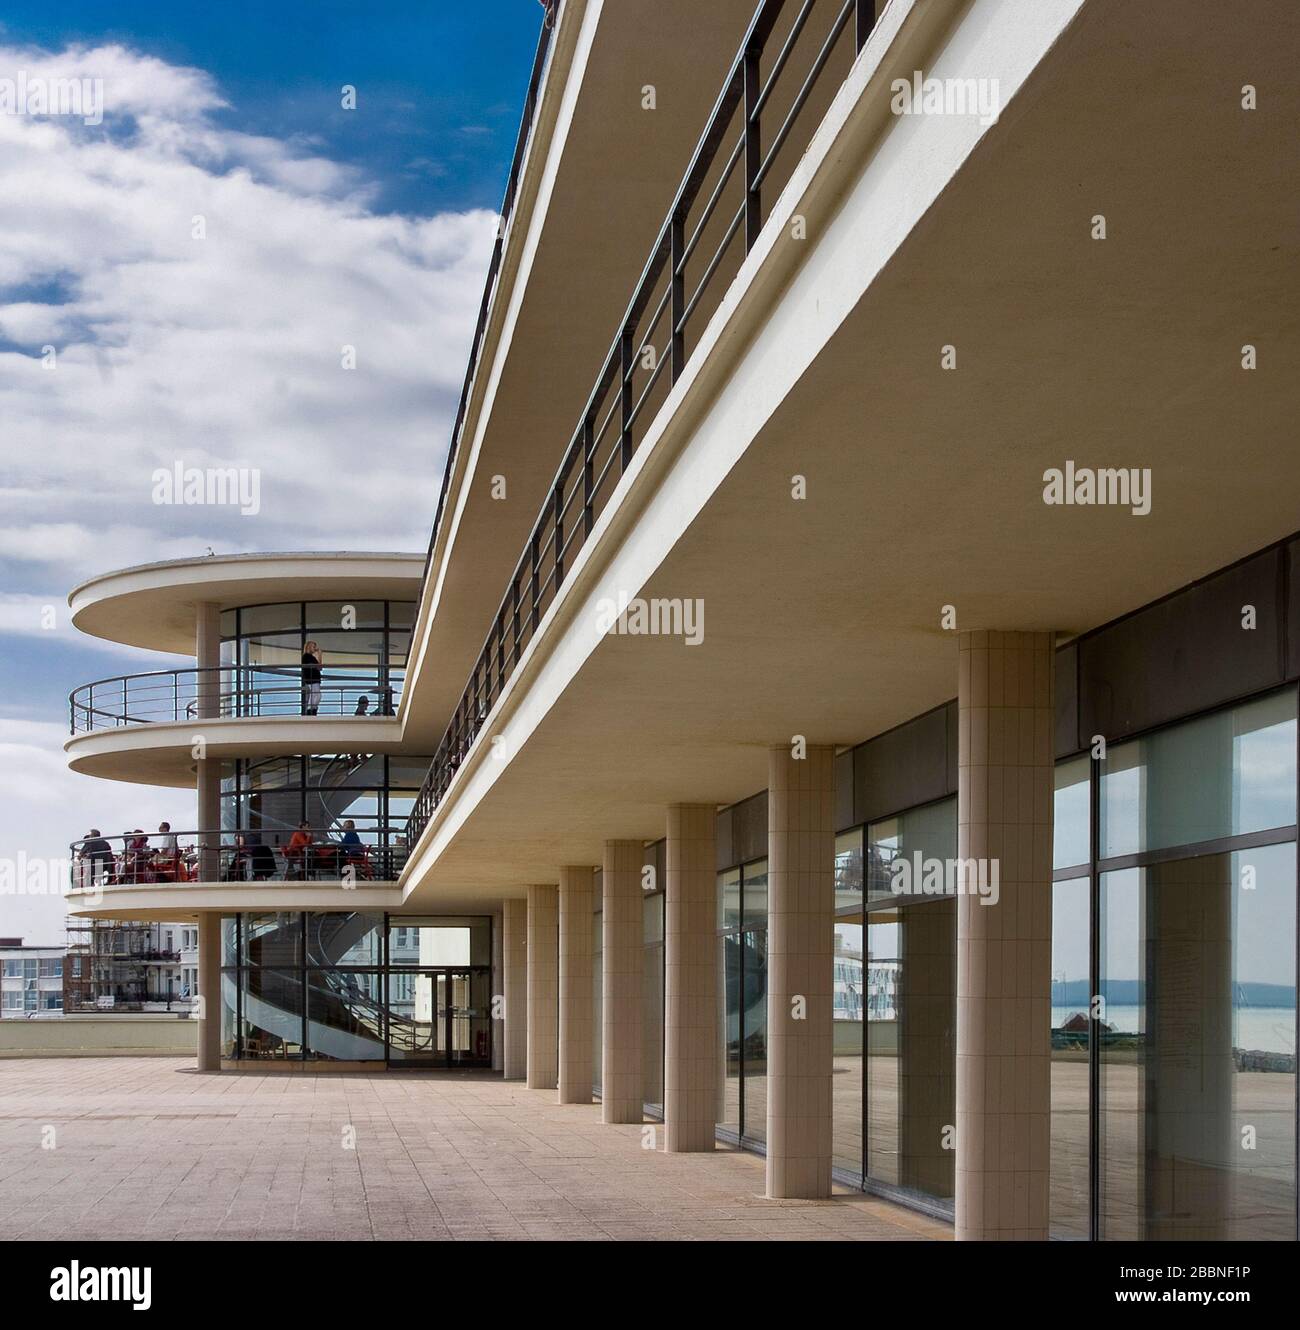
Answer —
353 856
522 141
232 691
792 61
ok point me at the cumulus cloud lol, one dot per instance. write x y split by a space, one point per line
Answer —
198 287
39 795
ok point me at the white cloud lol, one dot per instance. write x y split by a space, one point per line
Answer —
215 351
48 618
44 806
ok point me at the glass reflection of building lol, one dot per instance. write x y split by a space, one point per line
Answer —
357 987
1180 1081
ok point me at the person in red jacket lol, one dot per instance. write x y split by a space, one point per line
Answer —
297 854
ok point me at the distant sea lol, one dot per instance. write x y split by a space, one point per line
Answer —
1264 1029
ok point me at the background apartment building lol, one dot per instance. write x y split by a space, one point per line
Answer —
31 979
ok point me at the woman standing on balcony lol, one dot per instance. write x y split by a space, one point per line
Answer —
311 663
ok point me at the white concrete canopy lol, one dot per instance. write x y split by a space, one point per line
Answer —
598 181
153 605
924 485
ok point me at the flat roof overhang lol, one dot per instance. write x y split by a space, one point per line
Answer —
924 485
598 181
153 605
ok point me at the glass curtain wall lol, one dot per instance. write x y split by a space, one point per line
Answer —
269 797
742 943
363 646
652 987
597 991
1071 1070
910 1001
1174 901
849 1005
1196 1022
351 987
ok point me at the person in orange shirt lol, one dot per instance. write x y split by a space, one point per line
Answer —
297 853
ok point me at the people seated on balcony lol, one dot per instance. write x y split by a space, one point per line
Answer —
167 861
351 851
251 861
98 854
363 706
311 676
297 854
135 860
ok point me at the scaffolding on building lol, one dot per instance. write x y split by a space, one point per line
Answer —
114 966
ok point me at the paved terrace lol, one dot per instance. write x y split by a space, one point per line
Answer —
150 1148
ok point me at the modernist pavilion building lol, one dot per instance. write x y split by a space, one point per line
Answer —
771 743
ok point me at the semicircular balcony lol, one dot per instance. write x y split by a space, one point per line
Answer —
271 868
233 691
144 727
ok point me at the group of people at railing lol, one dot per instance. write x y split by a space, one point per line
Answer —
141 859
241 856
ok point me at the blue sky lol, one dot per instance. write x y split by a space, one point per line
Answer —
440 86
322 229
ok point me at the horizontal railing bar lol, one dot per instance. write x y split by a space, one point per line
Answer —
612 460
604 424
649 388
522 140
689 248
779 141
652 325
713 267
786 51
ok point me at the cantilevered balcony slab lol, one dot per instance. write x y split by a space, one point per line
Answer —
163 754
627 91
824 614
153 605
184 903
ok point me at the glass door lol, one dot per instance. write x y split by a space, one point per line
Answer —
413 1017
469 1018
440 1018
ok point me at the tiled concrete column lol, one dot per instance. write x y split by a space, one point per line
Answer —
208 810
577 1019
800 970
209 992
498 981
514 988
622 999
690 979
1005 792
207 658
543 989
207 699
